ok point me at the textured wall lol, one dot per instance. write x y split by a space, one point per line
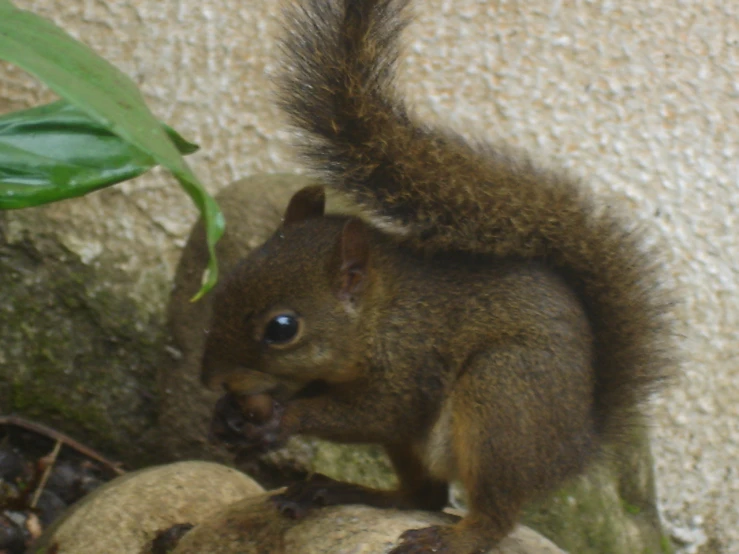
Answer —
639 97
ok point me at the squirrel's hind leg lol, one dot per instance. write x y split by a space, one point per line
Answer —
509 432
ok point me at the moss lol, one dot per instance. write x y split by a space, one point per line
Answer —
630 508
78 352
365 465
40 403
666 545
589 516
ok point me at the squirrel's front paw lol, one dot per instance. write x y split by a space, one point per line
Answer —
247 425
315 492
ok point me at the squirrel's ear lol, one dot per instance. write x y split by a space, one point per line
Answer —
355 260
307 203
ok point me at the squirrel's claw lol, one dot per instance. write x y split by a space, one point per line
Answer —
315 492
422 541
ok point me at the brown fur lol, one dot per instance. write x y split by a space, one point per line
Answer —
502 338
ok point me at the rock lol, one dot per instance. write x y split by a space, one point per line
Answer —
84 286
612 509
253 526
231 515
125 515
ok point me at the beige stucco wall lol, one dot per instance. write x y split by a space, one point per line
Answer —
640 97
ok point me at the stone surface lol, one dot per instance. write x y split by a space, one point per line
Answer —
253 526
610 510
81 320
124 516
639 97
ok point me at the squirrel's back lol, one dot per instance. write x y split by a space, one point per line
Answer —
445 194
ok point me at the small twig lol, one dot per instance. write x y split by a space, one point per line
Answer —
49 460
61 438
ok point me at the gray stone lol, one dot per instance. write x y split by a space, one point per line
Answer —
125 515
609 510
253 526
82 295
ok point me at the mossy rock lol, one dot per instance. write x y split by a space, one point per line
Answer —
82 321
609 510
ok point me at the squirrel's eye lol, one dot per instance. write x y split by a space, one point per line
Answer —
282 329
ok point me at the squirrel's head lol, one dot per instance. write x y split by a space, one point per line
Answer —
289 314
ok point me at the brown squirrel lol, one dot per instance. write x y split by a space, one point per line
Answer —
486 322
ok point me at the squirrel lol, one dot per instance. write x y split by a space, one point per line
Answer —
483 319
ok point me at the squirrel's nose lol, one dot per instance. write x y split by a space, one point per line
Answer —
212 372
220 374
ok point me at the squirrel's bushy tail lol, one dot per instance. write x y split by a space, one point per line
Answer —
337 88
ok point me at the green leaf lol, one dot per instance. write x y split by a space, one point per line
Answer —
79 75
57 151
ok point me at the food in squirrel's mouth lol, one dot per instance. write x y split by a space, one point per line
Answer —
256 408
239 421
